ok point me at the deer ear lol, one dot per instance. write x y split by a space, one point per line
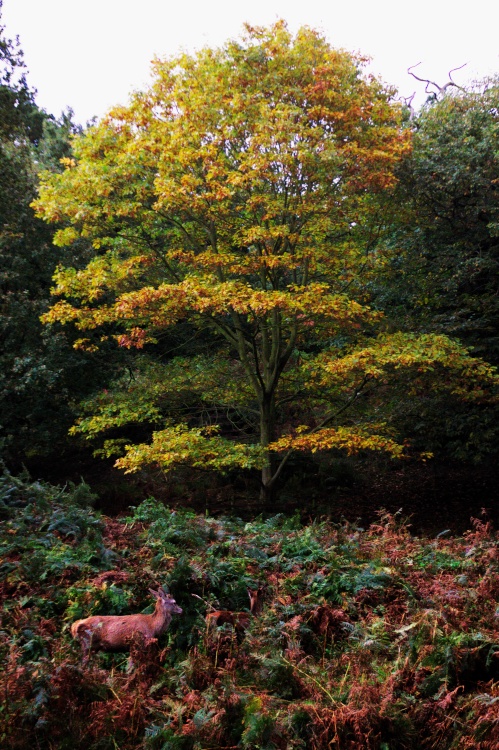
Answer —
154 593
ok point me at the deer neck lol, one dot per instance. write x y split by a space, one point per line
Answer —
160 619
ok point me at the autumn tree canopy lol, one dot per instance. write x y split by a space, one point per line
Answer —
243 194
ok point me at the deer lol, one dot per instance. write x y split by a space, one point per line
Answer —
240 621
116 632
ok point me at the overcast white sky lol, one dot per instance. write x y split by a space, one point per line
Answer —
91 55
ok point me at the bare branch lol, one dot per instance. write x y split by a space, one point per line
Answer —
407 102
459 67
440 90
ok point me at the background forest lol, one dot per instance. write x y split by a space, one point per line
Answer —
264 286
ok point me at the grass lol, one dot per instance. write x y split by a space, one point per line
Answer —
372 638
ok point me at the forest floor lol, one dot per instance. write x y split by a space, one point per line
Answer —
370 638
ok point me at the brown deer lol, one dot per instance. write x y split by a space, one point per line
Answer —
239 620
115 632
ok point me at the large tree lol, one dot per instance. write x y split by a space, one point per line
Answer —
242 195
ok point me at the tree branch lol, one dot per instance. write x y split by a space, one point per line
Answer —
440 89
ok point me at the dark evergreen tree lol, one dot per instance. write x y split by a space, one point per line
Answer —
444 269
40 373
449 239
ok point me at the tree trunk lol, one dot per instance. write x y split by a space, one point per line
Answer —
267 423
267 489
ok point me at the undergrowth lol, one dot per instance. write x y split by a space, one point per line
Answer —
368 639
